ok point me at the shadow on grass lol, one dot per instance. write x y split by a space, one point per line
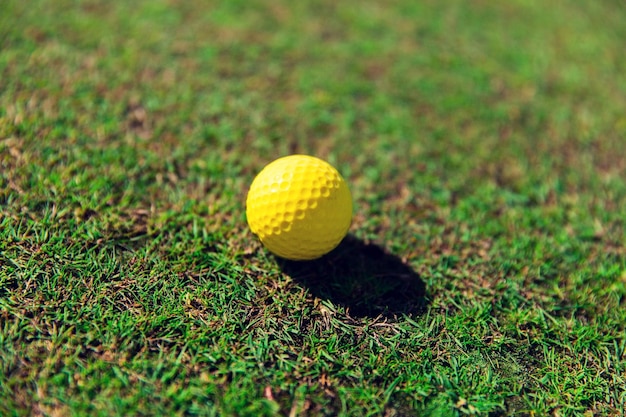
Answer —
363 278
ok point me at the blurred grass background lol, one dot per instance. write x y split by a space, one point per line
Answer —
485 148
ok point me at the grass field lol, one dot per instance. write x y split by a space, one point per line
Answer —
485 147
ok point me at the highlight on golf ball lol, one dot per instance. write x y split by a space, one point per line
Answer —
300 207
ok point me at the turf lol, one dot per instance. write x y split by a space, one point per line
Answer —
485 147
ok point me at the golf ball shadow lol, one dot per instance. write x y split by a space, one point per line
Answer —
362 277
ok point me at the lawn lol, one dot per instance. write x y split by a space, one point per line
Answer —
485 147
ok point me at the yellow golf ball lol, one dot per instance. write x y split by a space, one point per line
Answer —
300 207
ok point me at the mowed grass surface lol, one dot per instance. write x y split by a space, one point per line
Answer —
485 148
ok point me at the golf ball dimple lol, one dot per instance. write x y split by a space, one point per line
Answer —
300 207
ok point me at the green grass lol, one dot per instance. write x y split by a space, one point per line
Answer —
485 147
